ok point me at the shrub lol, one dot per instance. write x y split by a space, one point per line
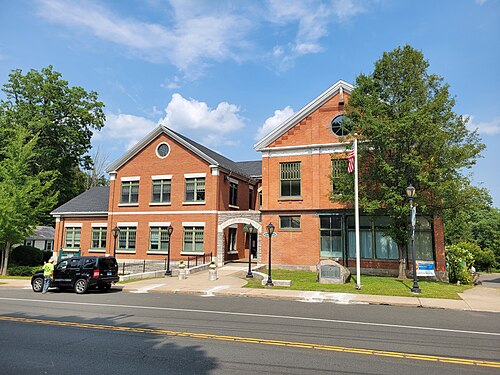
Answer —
22 270
484 260
26 256
459 260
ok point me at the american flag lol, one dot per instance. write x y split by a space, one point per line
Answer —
350 162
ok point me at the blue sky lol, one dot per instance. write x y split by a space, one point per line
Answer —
226 72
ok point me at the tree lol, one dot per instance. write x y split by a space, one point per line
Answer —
62 117
96 175
408 134
24 197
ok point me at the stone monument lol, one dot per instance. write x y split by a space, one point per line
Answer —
331 272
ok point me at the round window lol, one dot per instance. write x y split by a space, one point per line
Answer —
162 150
338 127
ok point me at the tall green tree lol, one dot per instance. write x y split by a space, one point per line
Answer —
62 117
24 197
408 134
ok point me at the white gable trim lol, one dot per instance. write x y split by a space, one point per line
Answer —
303 113
151 137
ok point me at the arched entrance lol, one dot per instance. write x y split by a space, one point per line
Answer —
231 220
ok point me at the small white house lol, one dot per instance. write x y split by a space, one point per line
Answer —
42 239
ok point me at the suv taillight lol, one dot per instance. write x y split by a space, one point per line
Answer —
95 275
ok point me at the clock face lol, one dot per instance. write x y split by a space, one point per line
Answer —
338 127
162 150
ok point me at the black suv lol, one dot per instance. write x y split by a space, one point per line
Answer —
81 274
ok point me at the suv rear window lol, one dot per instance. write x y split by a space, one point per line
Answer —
107 263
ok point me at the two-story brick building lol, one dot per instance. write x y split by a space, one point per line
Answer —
168 179
300 159
165 180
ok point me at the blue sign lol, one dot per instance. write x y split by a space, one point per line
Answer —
425 268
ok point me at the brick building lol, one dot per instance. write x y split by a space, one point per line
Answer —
168 179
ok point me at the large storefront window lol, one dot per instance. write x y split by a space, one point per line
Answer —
371 236
331 236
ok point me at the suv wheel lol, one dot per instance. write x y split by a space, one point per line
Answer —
37 284
81 286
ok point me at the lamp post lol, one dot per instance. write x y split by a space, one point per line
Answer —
410 191
168 271
270 231
116 232
249 229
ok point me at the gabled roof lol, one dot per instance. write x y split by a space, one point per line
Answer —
42 233
93 201
210 156
303 113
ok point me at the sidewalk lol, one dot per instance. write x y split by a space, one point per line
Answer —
229 283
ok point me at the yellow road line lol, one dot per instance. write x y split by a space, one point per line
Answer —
344 349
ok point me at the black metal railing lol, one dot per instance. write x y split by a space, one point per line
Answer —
127 268
193 260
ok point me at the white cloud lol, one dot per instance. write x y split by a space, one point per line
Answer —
480 2
486 127
209 125
196 35
124 129
274 121
313 18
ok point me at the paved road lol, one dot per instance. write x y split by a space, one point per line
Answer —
124 333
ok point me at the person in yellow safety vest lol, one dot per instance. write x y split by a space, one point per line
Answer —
48 273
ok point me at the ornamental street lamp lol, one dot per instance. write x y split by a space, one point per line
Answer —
249 228
410 191
168 272
116 232
270 231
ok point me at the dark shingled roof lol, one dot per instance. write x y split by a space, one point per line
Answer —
251 168
42 233
93 200
222 160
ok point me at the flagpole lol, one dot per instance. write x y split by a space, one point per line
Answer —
356 214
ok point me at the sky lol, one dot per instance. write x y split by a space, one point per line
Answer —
225 73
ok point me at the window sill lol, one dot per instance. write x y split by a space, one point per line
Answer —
97 250
154 252
160 204
193 203
283 199
122 251
189 253
290 230
128 204
232 206
232 252
70 249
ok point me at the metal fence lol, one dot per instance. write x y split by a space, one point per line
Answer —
133 267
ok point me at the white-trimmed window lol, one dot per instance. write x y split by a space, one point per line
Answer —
158 239
161 191
72 237
99 238
127 238
193 239
290 179
233 193
231 241
339 168
195 189
290 222
130 192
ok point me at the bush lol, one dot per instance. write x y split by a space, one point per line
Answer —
26 256
484 260
459 260
22 270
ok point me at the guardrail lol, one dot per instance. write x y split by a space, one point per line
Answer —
193 259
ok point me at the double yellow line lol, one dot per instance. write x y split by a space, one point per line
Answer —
292 344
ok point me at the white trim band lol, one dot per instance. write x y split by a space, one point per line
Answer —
193 224
162 177
131 178
73 225
194 175
159 224
99 225
126 224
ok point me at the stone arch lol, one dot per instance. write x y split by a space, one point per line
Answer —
229 218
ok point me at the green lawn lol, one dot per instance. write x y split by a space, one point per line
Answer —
16 277
386 286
